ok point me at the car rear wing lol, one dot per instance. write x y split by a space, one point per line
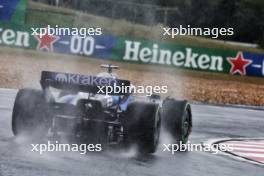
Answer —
81 83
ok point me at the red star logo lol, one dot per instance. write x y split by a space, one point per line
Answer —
239 64
46 42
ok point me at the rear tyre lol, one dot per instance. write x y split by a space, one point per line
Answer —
177 119
143 126
30 113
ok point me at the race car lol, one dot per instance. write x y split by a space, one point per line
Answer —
76 106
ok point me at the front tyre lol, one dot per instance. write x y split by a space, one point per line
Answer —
30 113
177 119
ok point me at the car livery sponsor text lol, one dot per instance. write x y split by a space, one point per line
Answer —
84 80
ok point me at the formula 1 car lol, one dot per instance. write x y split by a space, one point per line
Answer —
75 106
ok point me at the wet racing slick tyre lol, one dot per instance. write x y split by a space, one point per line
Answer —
177 119
30 113
143 126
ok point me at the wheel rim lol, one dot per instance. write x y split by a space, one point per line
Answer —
157 128
185 126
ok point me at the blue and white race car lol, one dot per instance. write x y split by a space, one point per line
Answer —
77 107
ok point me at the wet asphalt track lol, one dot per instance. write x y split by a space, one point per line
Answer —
209 122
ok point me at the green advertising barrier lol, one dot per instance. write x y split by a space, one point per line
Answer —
189 57
20 13
174 55
17 36
137 51
13 11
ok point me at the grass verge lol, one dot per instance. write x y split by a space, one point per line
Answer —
43 15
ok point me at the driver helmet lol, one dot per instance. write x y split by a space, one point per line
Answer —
107 75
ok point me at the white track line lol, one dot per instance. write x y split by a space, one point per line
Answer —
247 143
250 154
248 149
245 146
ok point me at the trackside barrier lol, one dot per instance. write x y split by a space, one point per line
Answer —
137 51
